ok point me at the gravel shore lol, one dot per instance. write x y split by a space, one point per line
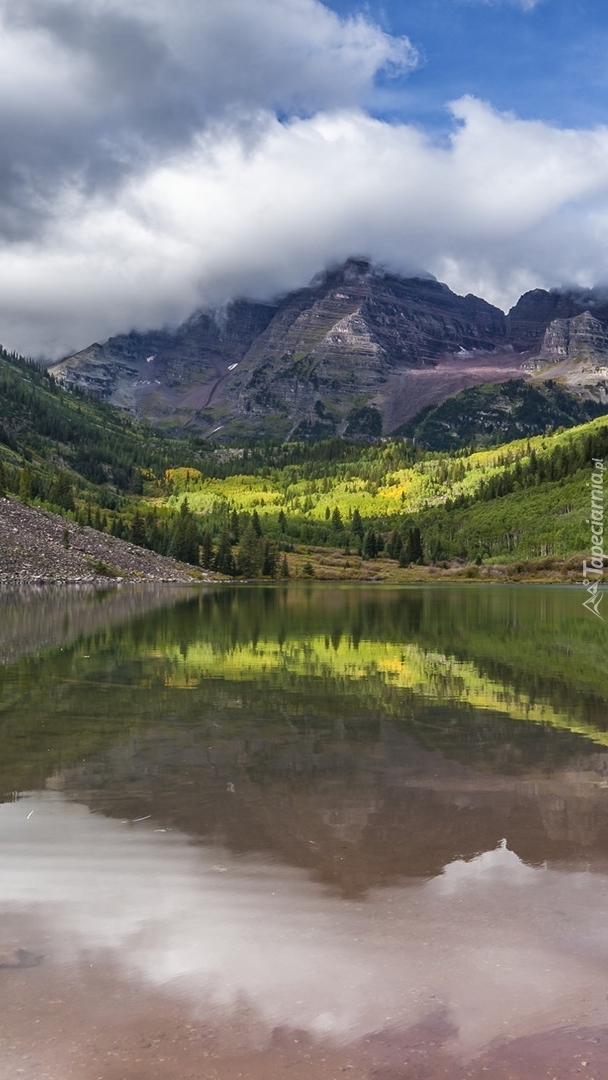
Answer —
37 547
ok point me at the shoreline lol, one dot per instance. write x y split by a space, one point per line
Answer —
40 548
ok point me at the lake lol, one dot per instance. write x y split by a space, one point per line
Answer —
303 831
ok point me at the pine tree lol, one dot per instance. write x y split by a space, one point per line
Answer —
255 521
250 553
394 545
207 551
138 530
414 546
234 527
356 525
61 493
224 559
269 559
184 536
369 547
336 520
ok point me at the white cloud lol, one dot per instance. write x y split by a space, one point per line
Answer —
99 85
507 205
144 170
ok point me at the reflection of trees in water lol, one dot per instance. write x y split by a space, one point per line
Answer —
81 696
515 637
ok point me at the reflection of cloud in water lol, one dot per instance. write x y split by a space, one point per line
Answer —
500 866
504 946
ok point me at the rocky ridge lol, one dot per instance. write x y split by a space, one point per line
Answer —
357 336
38 547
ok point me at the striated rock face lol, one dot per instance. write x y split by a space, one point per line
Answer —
575 351
303 366
582 337
167 375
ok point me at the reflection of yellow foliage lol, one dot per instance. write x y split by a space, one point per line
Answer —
383 667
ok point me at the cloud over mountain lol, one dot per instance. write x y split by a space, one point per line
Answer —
160 156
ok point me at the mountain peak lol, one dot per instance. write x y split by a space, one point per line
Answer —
359 337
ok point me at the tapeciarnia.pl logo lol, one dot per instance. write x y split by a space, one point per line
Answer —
593 572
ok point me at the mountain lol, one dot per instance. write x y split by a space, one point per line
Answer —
300 367
359 351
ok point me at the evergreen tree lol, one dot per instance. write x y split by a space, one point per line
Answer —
137 482
155 538
61 493
414 546
250 553
138 530
184 536
269 559
336 520
356 525
369 547
394 545
224 559
207 551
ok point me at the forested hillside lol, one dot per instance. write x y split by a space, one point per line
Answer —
336 508
525 500
497 413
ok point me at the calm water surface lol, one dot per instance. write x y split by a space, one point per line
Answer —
303 832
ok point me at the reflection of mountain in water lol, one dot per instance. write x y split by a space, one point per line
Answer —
357 815
362 734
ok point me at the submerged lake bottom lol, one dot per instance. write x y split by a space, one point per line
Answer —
303 831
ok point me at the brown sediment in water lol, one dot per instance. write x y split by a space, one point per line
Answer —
85 1023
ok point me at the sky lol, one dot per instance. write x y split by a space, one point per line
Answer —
159 156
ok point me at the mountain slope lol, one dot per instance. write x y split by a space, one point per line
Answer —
46 427
497 413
